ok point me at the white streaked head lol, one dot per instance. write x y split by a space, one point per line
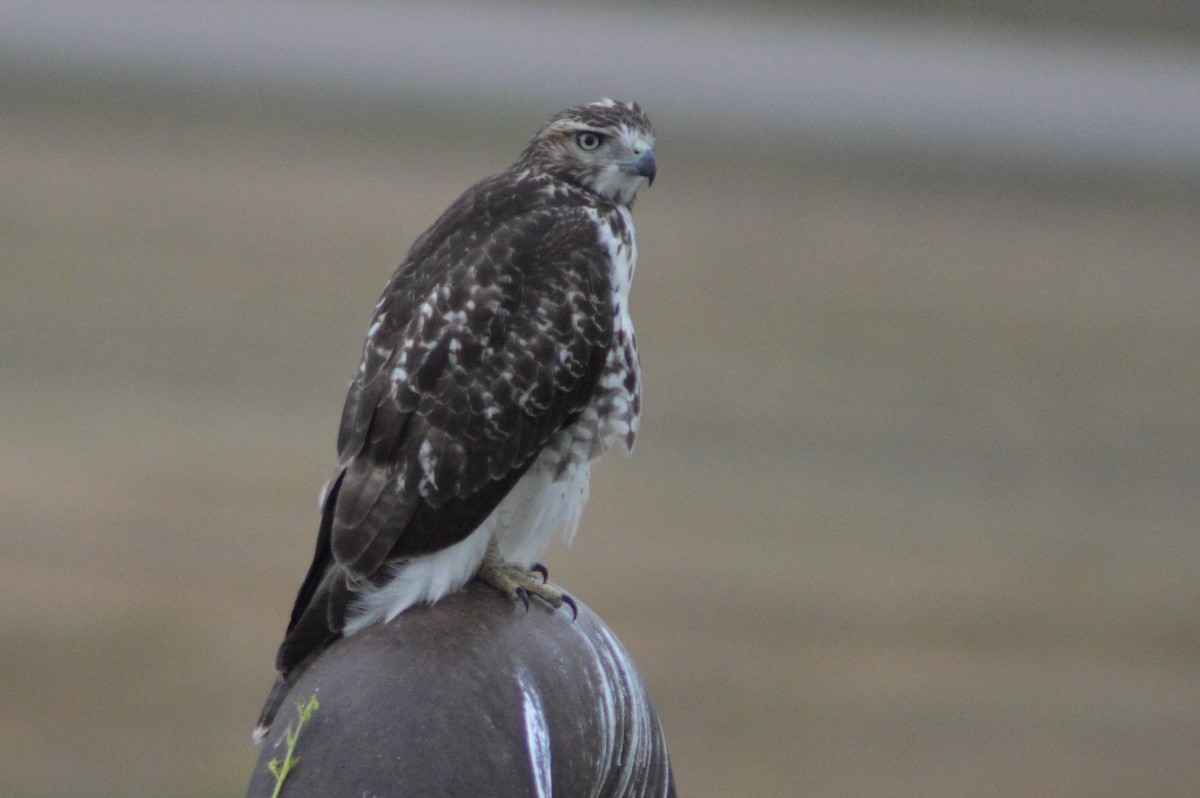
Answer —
606 147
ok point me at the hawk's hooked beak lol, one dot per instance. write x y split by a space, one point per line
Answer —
644 166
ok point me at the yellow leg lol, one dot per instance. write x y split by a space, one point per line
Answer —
518 582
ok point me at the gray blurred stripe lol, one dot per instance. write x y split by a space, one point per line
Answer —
1104 104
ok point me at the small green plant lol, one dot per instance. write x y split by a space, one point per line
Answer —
280 768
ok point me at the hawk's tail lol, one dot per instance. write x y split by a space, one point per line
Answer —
275 698
310 634
316 616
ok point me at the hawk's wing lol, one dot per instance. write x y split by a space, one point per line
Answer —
487 342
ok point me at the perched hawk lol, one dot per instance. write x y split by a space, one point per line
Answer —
500 361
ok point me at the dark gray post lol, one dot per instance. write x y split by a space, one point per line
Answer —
474 696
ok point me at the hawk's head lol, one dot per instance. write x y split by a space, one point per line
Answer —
606 147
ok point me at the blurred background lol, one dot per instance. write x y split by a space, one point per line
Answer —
914 508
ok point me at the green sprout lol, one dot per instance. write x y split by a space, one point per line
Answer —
281 768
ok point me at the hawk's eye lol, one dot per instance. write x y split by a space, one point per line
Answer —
587 140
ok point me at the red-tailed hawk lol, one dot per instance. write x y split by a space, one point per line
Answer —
500 362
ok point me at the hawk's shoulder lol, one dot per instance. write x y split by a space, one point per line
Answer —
515 231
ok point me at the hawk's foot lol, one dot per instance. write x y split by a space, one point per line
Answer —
519 582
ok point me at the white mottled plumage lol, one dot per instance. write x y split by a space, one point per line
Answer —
548 500
500 361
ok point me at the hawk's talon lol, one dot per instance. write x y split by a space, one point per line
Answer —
518 582
538 568
570 602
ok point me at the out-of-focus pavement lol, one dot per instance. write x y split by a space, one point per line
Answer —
913 511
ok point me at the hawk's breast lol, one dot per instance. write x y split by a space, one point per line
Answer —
549 499
611 418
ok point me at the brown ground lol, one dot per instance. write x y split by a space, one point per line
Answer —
914 511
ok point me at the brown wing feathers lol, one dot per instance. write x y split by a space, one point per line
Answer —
488 341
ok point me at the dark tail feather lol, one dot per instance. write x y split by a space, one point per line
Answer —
318 626
275 698
322 556
311 628
311 633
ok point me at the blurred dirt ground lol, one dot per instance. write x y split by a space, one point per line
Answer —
914 510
